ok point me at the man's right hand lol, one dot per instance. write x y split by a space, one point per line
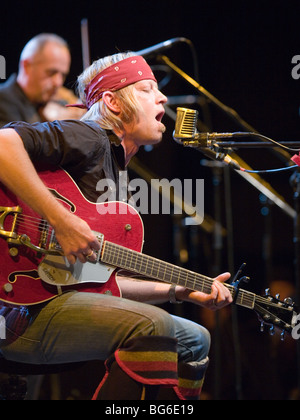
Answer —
76 238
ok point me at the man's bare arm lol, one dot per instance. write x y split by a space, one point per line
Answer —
152 292
18 173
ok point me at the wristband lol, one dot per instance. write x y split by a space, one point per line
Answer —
172 295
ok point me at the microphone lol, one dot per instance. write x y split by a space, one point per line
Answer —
185 129
158 48
186 133
185 125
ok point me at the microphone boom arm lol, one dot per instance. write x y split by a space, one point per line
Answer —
254 179
229 111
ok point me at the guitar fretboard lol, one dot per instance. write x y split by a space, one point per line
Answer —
155 269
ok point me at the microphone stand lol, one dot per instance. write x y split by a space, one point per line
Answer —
217 247
256 181
226 109
254 145
295 184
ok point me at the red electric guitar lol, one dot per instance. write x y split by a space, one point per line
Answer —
33 269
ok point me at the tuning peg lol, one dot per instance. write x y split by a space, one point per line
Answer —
277 296
267 292
282 335
262 326
288 301
272 330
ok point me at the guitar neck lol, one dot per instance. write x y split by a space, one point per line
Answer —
155 269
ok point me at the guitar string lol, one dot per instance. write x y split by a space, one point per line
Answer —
42 225
116 250
120 254
31 222
36 236
186 277
36 226
190 278
27 216
245 297
31 227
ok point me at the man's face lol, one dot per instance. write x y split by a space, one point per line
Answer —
148 128
47 72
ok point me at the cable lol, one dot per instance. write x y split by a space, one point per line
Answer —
277 143
267 171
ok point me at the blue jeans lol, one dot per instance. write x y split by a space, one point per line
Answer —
86 326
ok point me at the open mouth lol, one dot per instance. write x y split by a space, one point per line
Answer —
159 116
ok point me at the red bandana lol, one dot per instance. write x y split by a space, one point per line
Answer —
117 76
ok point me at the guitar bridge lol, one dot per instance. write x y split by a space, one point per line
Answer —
14 238
11 234
25 240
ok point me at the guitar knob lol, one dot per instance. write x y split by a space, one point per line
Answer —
7 288
13 252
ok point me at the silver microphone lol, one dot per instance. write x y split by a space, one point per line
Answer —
185 125
186 133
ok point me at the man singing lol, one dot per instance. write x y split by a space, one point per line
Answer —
149 353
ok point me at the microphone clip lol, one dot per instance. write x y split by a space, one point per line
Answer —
203 141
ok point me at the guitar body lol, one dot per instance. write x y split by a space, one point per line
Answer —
20 281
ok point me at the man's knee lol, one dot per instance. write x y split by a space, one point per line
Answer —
161 323
204 342
193 340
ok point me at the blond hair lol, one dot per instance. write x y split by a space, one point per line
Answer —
99 112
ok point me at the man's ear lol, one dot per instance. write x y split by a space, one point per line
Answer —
111 102
25 65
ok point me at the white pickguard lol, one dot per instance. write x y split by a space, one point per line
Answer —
57 271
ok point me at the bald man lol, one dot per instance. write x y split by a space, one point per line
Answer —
43 67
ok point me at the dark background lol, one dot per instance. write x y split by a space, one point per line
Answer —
244 53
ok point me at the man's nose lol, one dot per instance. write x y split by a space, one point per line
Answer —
58 79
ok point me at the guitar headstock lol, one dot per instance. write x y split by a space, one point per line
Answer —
277 314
